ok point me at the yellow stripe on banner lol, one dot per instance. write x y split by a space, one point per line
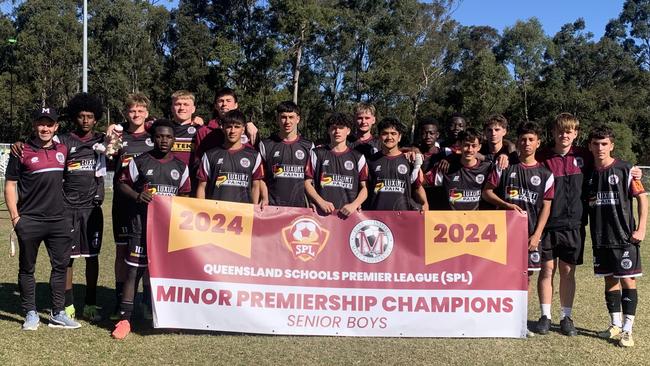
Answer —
197 222
450 234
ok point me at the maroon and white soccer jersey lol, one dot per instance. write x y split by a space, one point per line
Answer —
391 181
229 174
165 177
611 216
526 186
39 173
83 182
463 185
337 175
284 164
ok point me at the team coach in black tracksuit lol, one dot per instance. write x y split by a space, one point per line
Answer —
37 214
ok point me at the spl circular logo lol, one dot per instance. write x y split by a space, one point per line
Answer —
245 162
300 154
480 178
402 169
348 165
613 179
371 241
534 257
191 130
175 174
536 180
626 263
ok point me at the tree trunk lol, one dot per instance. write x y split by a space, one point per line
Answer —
296 69
525 99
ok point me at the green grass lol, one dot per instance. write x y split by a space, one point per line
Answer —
92 344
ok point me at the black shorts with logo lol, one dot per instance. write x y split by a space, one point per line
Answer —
568 245
87 231
120 223
136 240
618 262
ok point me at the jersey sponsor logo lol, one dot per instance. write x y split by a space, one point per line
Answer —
182 146
521 194
371 241
458 195
402 169
162 189
299 154
232 180
305 238
605 198
82 165
148 141
288 171
626 263
191 130
175 174
34 160
348 165
535 180
480 178
60 157
613 179
390 185
245 162
336 181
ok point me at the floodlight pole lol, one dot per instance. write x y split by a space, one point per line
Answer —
12 42
84 85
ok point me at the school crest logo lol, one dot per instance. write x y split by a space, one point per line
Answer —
371 241
175 174
579 162
34 160
245 162
535 180
305 238
613 179
191 130
148 141
299 154
626 263
480 178
534 257
348 165
402 169
60 157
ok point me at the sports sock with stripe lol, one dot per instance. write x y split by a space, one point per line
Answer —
613 302
629 299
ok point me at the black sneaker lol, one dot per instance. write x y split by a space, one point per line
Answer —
567 327
543 325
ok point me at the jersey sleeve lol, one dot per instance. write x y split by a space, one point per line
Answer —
494 178
262 149
185 186
311 165
130 175
549 188
258 169
12 171
204 169
100 167
419 179
363 169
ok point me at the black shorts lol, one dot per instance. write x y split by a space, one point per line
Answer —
87 230
618 262
120 224
534 260
568 245
137 252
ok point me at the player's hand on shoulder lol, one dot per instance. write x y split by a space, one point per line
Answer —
198 121
17 149
503 162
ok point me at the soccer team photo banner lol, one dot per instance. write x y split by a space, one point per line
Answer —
233 267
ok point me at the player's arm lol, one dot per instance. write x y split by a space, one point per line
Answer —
202 175
11 199
185 187
200 189
494 179
353 206
536 237
420 196
125 185
314 197
642 209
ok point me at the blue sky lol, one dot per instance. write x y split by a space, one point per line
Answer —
551 13
503 13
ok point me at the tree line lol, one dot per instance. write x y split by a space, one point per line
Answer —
410 58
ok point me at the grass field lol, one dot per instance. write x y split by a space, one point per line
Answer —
92 343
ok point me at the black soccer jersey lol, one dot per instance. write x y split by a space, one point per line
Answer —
337 176
83 179
611 216
39 174
436 196
133 144
285 163
165 177
367 147
183 145
463 185
391 180
508 149
525 186
229 174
